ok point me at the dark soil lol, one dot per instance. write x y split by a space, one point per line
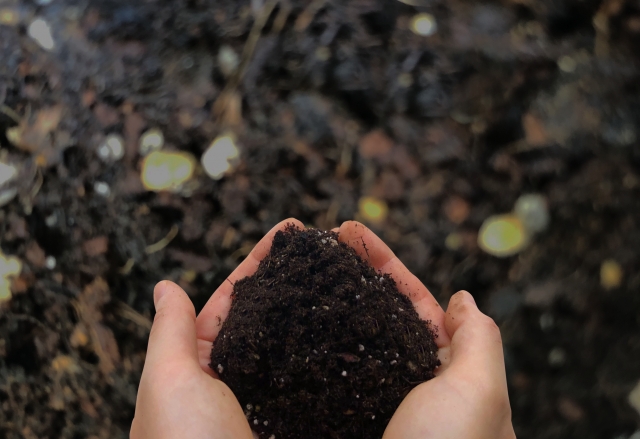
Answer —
508 97
318 338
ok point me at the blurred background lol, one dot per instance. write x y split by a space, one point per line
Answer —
492 144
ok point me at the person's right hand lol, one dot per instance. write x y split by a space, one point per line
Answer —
468 397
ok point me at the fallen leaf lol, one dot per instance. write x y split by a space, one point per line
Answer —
375 144
96 246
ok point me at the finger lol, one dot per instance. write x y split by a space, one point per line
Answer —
476 345
173 334
209 321
204 357
372 249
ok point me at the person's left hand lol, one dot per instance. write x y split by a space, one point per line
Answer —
177 396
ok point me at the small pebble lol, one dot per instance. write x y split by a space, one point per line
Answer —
51 220
228 60
220 157
40 31
424 24
557 357
112 149
533 211
50 262
102 188
151 140
567 64
255 421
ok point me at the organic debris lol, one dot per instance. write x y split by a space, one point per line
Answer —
167 170
611 274
10 266
503 235
373 210
316 326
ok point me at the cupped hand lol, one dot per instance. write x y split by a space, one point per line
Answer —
468 397
179 395
178 398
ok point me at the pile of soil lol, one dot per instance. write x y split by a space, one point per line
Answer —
318 337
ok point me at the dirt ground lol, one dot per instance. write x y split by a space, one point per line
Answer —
331 101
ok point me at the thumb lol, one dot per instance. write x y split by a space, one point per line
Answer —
476 345
173 334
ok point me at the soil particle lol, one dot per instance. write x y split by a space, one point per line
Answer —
295 338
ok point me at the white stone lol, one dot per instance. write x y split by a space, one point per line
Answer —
424 24
40 31
7 173
151 140
115 143
50 262
221 157
533 211
228 60
102 188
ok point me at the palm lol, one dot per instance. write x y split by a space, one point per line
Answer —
178 398
380 257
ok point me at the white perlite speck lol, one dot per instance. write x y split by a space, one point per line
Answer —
360 348
344 373
221 369
102 188
50 262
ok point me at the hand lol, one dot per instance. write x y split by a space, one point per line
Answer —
178 398
468 397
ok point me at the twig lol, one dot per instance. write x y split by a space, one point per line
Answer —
126 268
132 315
304 20
11 113
365 247
153 248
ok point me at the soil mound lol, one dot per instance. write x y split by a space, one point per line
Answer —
317 342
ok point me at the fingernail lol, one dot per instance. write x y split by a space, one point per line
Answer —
159 291
467 297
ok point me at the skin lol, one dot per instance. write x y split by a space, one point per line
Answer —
180 396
